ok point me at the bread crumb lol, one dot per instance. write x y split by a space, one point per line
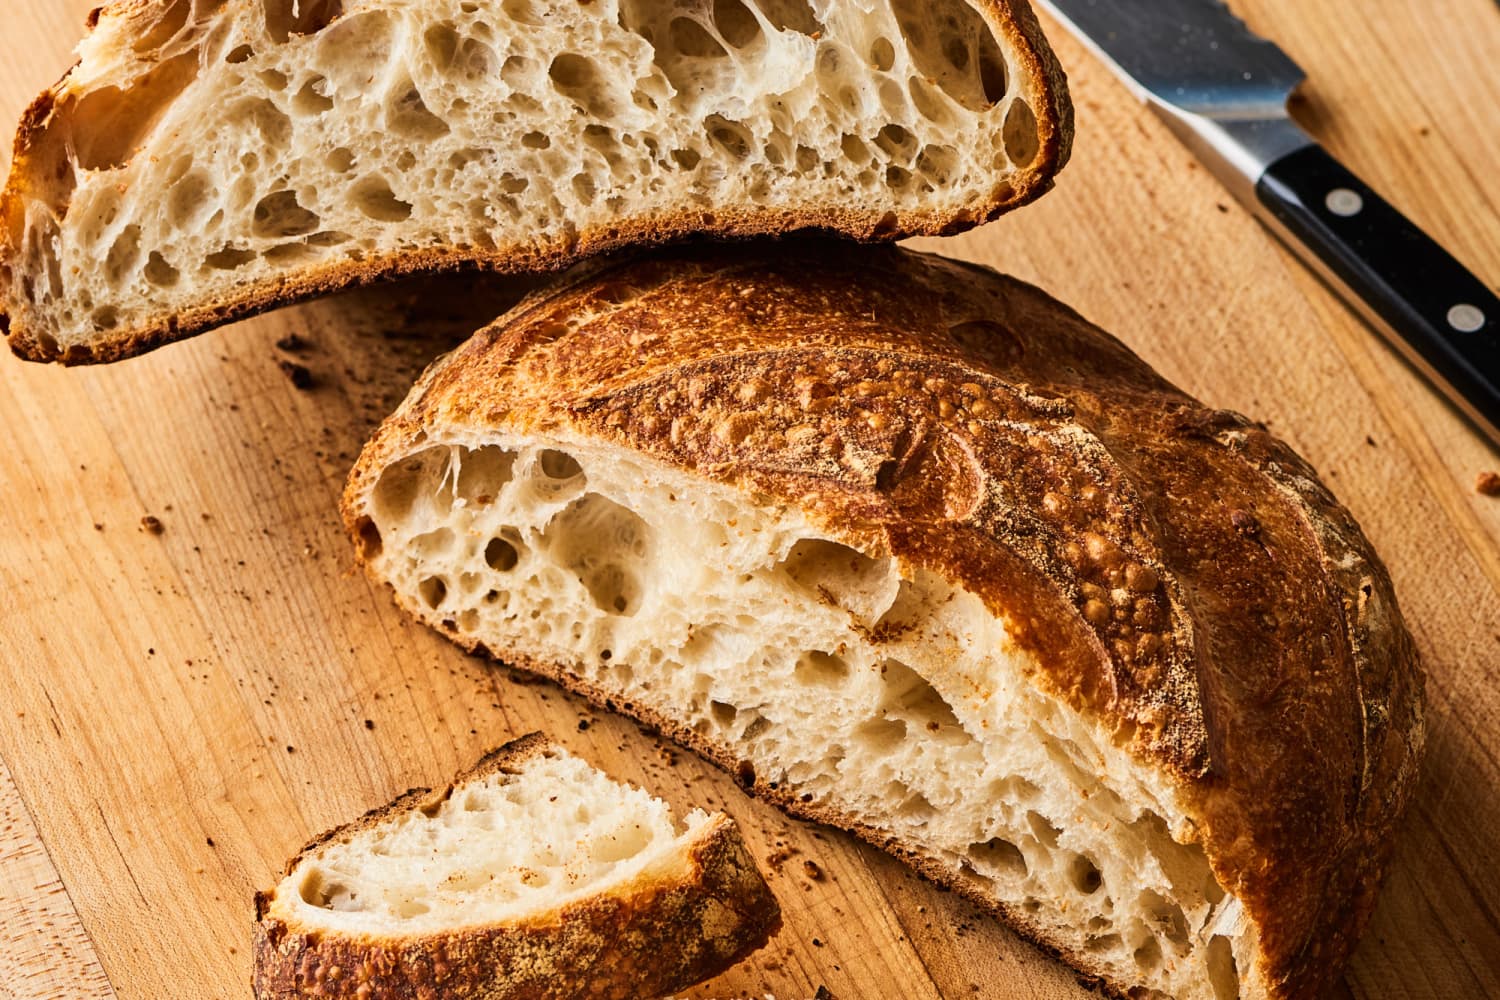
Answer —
824 993
1488 483
369 723
292 342
151 524
811 869
300 376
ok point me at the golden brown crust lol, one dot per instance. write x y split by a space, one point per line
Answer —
660 935
36 159
1181 575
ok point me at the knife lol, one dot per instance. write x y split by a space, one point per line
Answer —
1223 91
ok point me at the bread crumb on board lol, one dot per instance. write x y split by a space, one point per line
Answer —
1488 483
151 524
299 374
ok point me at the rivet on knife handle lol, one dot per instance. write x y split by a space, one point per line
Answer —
1425 302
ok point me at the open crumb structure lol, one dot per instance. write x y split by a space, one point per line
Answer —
207 158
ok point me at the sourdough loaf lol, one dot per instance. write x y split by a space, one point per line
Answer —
532 876
914 550
206 159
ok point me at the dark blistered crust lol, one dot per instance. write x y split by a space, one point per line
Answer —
1180 574
659 934
1046 91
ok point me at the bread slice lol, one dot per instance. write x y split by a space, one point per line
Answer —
206 159
914 550
531 876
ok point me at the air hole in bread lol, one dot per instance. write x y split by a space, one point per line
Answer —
288 253
502 554
929 103
558 465
895 141
916 808
576 77
689 38
523 12
467 59
124 254
910 697
882 54
420 477
373 196
1021 142
1000 857
434 591
302 17
1222 971
1166 918
159 272
407 115
272 79
1043 829
109 124
279 215
265 118
1084 875
817 668
169 23
729 136
601 543
433 544
1148 955
947 40
483 472
737 25
229 258
841 576
1104 943
312 98
877 736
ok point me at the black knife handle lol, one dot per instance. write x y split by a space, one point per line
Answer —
1435 311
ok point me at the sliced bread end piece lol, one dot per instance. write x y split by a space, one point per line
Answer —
531 875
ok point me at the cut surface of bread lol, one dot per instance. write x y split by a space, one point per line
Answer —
531 876
210 158
912 549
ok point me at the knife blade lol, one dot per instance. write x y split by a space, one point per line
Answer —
1223 91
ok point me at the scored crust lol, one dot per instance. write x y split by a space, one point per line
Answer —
33 165
1267 674
649 937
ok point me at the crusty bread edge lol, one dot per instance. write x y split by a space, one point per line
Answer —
1047 94
640 927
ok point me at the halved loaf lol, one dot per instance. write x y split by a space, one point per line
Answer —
206 159
531 876
916 551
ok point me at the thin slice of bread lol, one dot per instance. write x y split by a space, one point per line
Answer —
206 159
531 876
912 549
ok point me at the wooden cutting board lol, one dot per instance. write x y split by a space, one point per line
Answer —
180 711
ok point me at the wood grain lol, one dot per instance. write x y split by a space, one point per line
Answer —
45 952
183 710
